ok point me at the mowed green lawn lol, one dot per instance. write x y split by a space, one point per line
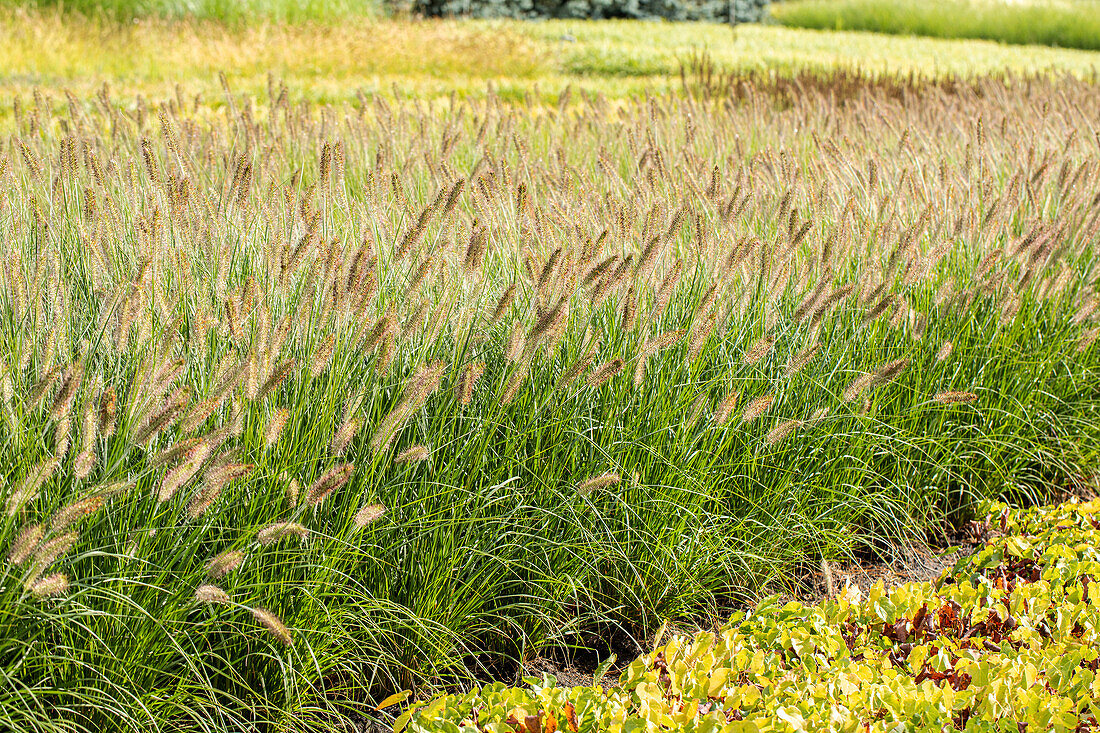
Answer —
333 62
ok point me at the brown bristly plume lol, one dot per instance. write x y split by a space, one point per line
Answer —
53 549
602 374
799 361
468 380
415 454
275 425
945 351
29 487
857 386
274 625
50 586
781 431
181 474
1088 338
758 351
212 595
504 303
514 349
700 331
586 487
344 435
515 382
329 482
726 407
39 390
172 454
322 355
889 372
369 514
162 418
951 398
276 378
70 384
756 408
25 543
279 530
75 511
224 563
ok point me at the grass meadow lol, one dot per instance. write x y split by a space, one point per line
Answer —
307 401
335 62
1062 23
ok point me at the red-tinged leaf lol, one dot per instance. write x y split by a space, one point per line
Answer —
920 616
570 717
947 618
960 682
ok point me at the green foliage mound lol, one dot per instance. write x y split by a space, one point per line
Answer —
1063 24
740 11
1004 642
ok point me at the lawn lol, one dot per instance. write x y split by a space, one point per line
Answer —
1062 23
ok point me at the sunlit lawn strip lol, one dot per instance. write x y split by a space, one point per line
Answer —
1041 22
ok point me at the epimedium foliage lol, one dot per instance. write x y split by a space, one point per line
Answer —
1006 640
738 11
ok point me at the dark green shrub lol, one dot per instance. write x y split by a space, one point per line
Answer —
741 11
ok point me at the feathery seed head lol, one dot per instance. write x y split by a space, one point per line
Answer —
604 373
856 387
799 361
369 514
70 383
72 513
468 380
415 454
275 426
889 372
726 407
756 408
758 350
323 355
781 431
212 595
49 551
224 563
25 543
178 476
586 487
39 390
274 625
278 530
50 586
951 398
330 481
344 435
29 487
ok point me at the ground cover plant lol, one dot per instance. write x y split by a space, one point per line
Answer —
1004 641
1065 23
307 405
